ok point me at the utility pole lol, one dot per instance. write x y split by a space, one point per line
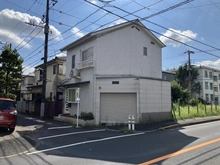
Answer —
189 69
46 32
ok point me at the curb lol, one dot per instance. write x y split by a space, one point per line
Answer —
26 151
187 124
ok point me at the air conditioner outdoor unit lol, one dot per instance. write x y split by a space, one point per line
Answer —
75 73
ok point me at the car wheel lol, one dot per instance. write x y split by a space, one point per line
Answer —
11 130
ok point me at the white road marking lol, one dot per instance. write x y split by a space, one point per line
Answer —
85 142
60 127
40 121
72 133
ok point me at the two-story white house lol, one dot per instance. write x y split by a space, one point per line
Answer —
209 79
118 71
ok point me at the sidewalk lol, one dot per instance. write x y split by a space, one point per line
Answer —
151 127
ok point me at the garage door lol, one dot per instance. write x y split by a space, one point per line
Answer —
115 107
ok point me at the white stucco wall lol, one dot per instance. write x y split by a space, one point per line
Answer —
121 53
155 96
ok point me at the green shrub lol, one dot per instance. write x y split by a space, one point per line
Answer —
194 102
86 116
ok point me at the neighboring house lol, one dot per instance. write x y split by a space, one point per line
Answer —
55 75
169 76
209 79
118 71
26 82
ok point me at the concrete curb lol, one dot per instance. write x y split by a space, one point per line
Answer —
189 123
37 144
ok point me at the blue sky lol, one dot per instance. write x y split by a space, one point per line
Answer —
71 19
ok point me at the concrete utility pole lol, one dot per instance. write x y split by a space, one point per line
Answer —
189 69
46 32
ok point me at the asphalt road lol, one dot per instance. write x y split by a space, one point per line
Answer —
59 144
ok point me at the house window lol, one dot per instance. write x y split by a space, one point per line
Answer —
73 61
73 94
215 78
60 69
211 87
219 76
207 97
206 85
145 51
55 68
210 74
206 73
41 75
87 54
211 97
216 89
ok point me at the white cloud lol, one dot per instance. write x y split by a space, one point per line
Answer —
13 27
61 54
212 64
177 37
94 2
28 70
117 22
77 32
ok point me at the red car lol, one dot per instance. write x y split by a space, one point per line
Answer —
8 114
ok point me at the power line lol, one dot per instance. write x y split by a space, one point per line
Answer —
155 31
19 21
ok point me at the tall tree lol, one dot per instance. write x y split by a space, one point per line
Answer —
10 70
182 77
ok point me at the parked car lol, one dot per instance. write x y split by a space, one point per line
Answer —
8 114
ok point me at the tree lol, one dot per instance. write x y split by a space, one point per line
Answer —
177 92
182 77
10 70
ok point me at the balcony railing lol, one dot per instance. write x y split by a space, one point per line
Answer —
85 64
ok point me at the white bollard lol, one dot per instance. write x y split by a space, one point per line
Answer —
133 123
129 122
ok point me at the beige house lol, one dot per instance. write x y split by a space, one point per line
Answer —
55 75
26 82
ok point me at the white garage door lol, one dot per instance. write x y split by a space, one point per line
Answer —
115 107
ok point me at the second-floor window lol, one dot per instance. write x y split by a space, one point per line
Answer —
206 85
206 73
145 51
73 61
210 74
87 54
57 69
215 78
211 87
41 75
216 89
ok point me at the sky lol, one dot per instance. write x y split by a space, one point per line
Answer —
191 25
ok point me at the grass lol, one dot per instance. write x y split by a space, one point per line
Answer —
193 112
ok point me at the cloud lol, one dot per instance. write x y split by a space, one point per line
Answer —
61 54
117 22
177 37
28 70
94 2
77 32
14 28
212 64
